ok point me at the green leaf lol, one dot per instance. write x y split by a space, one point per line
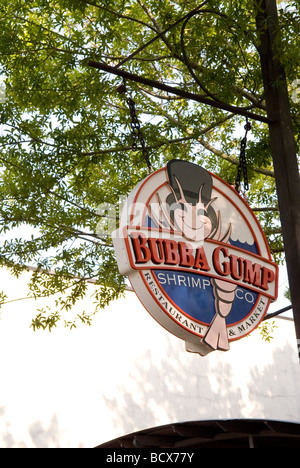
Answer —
65 140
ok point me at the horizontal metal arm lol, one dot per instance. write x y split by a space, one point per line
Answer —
179 92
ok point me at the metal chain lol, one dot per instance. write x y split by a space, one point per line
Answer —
242 167
136 133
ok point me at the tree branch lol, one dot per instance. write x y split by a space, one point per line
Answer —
232 160
266 208
209 147
177 91
119 15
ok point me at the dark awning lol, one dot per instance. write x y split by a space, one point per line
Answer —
224 433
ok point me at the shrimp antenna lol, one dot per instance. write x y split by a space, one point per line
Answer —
226 236
173 191
200 194
181 191
210 202
215 234
200 198
164 215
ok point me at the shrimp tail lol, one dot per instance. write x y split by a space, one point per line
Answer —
216 336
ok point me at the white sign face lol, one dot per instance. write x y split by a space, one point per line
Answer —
196 256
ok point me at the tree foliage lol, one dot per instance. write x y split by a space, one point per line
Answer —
65 143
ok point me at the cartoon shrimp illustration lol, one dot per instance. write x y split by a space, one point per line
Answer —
189 210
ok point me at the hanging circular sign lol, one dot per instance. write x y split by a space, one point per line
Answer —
196 256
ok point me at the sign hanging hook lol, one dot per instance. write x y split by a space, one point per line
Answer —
242 167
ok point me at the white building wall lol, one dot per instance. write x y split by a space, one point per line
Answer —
83 387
